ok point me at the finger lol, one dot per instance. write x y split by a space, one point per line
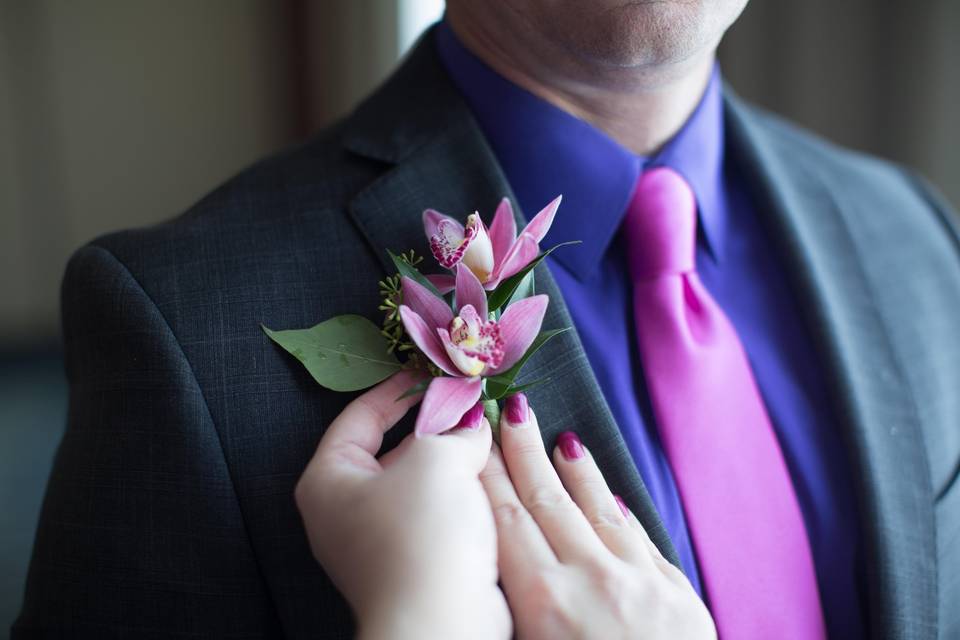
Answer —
461 450
664 565
638 526
539 488
523 551
473 436
470 448
585 483
355 436
391 457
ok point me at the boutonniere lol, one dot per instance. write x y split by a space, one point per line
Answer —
472 328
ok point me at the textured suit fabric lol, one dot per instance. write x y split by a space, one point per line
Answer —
169 512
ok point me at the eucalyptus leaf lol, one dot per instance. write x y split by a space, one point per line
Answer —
404 268
345 353
498 386
504 291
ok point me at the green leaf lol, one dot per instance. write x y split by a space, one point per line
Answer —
519 388
406 269
524 290
345 353
526 387
420 387
504 291
498 386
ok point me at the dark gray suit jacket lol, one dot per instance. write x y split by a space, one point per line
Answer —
169 512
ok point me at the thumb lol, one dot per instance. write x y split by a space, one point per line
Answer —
467 445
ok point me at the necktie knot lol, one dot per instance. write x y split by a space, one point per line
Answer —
660 225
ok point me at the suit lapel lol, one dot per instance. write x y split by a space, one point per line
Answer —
879 421
436 156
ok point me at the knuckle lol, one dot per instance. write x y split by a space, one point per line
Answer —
606 520
532 448
371 411
592 485
618 589
509 514
545 498
672 573
300 493
304 492
495 473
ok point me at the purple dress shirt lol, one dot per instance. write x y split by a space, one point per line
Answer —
545 151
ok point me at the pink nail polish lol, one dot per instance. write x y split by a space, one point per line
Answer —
517 409
622 505
471 419
570 445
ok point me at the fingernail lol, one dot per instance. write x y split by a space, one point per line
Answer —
622 505
471 419
517 410
570 445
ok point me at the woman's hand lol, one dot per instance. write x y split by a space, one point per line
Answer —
574 562
408 539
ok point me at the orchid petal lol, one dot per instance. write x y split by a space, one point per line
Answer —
445 402
540 224
434 311
469 291
427 340
519 326
503 230
491 284
444 282
432 218
523 251
451 241
478 253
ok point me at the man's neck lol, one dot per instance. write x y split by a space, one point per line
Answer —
640 108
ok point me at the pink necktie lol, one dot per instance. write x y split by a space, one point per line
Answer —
741 510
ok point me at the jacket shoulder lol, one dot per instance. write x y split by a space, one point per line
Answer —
314 178
861 181
265 217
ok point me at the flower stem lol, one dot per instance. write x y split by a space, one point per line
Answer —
491 409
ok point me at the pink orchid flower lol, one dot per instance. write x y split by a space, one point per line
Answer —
466 346
492 254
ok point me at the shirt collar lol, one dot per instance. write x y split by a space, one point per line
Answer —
545 151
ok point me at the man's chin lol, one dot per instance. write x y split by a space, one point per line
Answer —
644 33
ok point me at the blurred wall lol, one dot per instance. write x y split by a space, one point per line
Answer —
118 113
350 46
882 76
